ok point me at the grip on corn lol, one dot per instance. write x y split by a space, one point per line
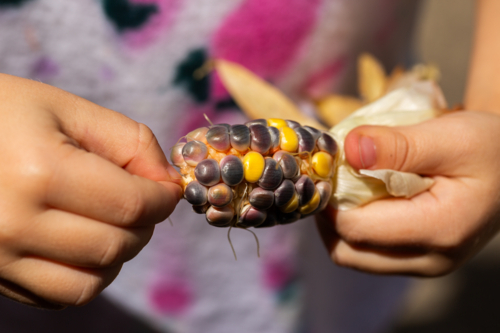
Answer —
260 174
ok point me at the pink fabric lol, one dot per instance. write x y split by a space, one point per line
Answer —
264 36
169 288
171 297
277 273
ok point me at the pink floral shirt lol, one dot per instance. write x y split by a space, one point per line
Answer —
138 57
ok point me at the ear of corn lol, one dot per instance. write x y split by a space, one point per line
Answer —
263 184
307 172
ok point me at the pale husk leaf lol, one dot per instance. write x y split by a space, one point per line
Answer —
256 97
334 108
418 73
372 80
400 184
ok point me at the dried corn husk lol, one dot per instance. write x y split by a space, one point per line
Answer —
372 80
257 98
373 83
334 108
413 102
405 106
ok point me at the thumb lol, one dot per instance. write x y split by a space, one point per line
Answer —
435 147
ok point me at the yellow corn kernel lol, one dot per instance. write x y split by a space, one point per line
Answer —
276 122
322 164
288 140
253 166
309 207
292 205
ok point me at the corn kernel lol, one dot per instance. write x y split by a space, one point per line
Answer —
198 135
289 140
292 205
309 207
176 154
276 122
253 166
322 164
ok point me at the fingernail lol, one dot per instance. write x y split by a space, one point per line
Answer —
367 152
174 175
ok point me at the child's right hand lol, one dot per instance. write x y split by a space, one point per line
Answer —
81 188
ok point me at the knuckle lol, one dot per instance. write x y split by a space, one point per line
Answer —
9 232
132 209
438 265
401 156
352 234
88 290
13 227
340 258
146 138
35 174
446 243
124 245
113 252
354 238
450 240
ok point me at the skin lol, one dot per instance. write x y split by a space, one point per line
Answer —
436 231
81 189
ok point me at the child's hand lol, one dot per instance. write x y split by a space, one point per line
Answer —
81 188
434 232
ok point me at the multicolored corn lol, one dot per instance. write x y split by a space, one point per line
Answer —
260 174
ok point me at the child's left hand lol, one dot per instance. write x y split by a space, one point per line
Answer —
437 230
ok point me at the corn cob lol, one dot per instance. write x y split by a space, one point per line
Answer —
260 174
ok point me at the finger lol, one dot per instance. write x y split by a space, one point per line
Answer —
58 283
121 140
367 260
378 261
392 223
85 184
24 296
79 241
104 132
443 146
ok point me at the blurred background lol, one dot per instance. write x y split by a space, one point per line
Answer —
465 301
443 36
